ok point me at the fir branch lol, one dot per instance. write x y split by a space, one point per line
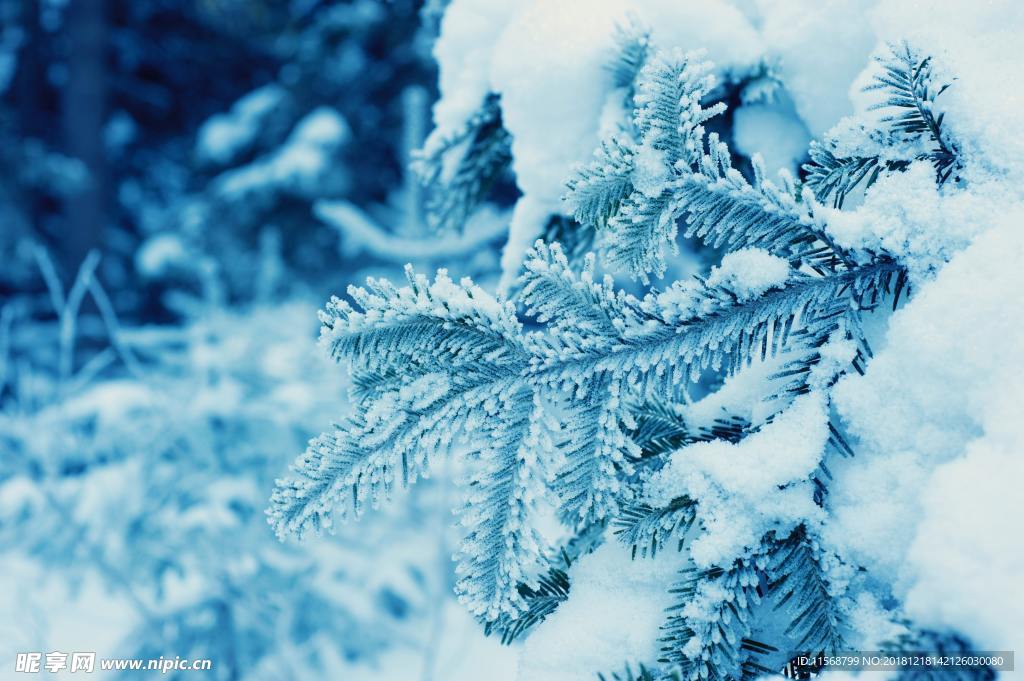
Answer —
834 176
598 189
573 305
723 209
551 590
398 427
484 153
637 191
668 123
657 356
660 429
632 47
907 81
645 529
501 546
595 453
461 351
639 232
798 585
706 630
670 113
468 371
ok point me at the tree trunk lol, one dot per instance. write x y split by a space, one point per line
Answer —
84 115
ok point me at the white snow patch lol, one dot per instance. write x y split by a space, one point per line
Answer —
612 618
818 49
159 253
469 31
301 165
747 488
904 214
750 272
938 446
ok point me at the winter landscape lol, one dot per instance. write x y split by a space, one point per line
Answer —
537 340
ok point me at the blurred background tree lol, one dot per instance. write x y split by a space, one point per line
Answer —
125 121
183 182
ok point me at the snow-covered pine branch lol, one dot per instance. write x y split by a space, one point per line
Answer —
434 360
458 169
641 183
913 131
709 623
580 407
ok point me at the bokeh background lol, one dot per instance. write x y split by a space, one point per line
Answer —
182 184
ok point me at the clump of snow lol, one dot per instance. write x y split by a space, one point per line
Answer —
613 617
469 31
555 53
750 272
650 171
160 253
802 42
747 488
224 136
904 214
835 357
965 558
927 503
303 164
321 127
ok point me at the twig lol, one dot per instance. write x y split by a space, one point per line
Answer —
69 314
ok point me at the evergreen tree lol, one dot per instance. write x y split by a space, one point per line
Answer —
568 393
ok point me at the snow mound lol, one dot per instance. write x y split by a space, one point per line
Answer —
928 502
612 618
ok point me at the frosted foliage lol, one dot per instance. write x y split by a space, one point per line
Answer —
746 489
558 53
612 618
649 174
979 41
949 429
776 447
